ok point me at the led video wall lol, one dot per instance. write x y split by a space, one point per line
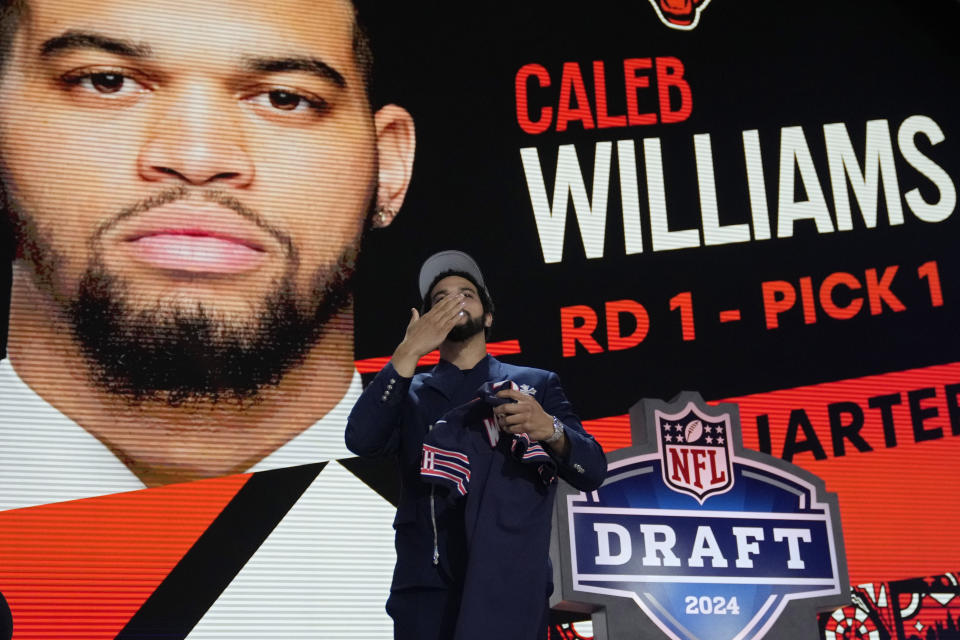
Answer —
216 213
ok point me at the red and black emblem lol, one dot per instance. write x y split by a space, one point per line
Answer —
696 452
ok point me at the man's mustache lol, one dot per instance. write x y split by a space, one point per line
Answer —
176 194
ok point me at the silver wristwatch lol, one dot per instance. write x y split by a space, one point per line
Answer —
557 431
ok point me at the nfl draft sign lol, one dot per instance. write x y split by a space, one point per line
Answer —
692 537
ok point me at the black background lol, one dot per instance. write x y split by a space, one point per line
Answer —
750 65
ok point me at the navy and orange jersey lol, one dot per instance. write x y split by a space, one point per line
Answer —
507 485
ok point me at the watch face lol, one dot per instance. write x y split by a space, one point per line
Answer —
557 430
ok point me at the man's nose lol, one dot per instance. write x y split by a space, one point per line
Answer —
197 140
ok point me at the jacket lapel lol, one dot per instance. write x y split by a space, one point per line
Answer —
447 385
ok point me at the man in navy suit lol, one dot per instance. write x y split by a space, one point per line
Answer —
396 410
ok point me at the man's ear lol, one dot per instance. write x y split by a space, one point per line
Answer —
396 142
488 320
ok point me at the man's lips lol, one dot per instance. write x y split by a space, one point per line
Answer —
196 239
198 233
198 252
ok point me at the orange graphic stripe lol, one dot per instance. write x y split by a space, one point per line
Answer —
502 348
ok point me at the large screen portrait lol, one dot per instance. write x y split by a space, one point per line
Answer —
214 214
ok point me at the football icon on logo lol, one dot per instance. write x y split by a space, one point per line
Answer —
693 431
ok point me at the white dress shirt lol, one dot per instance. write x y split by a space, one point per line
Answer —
325 570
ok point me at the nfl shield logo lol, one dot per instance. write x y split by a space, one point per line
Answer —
696 451
693 537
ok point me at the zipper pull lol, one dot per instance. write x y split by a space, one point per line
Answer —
433 522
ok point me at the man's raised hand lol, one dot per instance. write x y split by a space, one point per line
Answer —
425 333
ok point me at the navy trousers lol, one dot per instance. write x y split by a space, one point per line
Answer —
431 614
424 614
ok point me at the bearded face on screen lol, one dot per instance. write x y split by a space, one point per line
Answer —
177 350
189 184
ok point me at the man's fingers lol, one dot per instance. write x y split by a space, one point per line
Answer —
448 324
514 419
514 412
449 304
511 423
511 408
512 394
457 308
428 331
451 313
445 311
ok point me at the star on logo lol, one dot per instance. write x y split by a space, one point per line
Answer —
527 389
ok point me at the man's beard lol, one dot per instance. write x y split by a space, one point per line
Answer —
465 331
182 354
179 354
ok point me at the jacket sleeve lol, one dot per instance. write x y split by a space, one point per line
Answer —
373 427
585 467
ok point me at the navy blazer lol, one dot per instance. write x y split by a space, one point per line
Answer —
394 413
